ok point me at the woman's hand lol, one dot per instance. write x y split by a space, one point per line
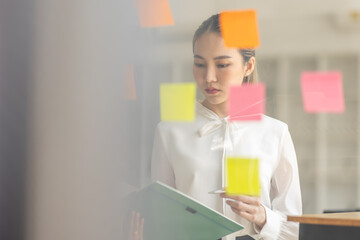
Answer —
135 231
247 207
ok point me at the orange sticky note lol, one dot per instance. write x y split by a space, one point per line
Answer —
243 176
239 29
129 82
154 13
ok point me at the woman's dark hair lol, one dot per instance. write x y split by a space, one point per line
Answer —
212 24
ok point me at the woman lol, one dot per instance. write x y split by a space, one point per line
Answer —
190 156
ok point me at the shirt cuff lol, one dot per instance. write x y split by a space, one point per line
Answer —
271 229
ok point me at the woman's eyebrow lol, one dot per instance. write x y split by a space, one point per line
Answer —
221 57
215 58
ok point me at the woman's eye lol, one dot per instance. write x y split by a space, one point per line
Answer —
222 65
199 64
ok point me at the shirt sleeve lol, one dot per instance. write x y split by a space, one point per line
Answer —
161 169
285 194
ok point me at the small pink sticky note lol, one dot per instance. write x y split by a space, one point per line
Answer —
246 102
322 92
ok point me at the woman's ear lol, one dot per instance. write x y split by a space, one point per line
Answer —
250 66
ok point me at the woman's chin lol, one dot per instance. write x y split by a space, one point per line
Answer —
214 101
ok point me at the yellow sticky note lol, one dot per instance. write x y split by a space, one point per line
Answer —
243 176
239 29
177 101
154 13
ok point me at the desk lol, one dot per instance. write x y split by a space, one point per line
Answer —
329 226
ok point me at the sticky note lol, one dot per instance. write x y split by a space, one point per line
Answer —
322 92
242 176
246 102
154 13
177 101
239 29
129 82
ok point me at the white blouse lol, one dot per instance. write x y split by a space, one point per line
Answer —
190 157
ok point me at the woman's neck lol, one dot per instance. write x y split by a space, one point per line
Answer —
220 109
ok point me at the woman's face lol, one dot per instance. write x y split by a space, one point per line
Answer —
216 67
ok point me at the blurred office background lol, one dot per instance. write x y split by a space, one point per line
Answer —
70 141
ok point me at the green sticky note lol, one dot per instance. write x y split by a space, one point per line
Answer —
243 176
177 101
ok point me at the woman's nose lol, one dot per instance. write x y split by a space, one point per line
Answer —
210 75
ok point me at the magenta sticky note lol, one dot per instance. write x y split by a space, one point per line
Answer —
322 92
246 102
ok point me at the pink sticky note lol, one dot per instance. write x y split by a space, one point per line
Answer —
322 92
246 102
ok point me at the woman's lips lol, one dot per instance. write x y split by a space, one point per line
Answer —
212 90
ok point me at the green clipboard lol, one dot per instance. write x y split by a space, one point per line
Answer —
170 214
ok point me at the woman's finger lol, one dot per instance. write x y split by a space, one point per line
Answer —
250 217
141 229
254 214
244 207
132 224
137 222
133 221
252 200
